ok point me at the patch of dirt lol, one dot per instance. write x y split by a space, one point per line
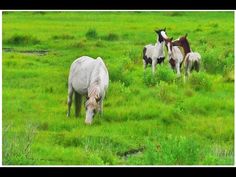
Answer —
130 152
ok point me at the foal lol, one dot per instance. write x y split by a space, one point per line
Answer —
154 54
175 55
191 59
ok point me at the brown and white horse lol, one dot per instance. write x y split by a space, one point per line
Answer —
175 55
191 59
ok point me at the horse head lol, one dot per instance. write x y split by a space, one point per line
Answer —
161 34
169 45
91 104
183 42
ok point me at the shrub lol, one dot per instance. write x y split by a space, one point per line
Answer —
118 72
79 44
63 37
148 78
91 34
19 39
164 73
200 81
111 37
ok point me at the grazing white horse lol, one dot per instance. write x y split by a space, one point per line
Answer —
88 77
175 56
191 59
155 54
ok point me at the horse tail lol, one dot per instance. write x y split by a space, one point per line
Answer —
78 101
185 60
186 63
197 65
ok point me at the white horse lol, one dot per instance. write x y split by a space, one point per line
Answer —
155 54
88 77
175 56
191 59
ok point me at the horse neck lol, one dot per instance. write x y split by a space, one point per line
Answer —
186 47
159 49
159 45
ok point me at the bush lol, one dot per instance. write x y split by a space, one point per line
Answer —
215 60
164 73
91 34
79 44
119 72
19 39
111 37
200 81
148 78
63 37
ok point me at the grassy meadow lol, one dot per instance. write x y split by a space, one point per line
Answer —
147 120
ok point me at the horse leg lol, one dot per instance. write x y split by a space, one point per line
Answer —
154 63
100 107
178 68
144 65
69 100
78 101
187 69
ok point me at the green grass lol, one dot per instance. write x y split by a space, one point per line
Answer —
159 120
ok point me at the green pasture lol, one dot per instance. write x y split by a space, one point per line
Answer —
147 120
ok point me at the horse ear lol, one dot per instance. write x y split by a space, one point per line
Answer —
164 29
186 35
156 31
171 39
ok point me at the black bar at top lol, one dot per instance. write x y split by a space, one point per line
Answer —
117 5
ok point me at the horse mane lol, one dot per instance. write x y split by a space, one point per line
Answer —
188 45
93 96
92 102
94 91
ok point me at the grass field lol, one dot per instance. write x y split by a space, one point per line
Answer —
147 120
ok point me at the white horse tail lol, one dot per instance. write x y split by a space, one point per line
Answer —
197 62
186 64
78 101
186 57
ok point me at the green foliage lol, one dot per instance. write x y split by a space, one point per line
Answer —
147 120
111 37
19 39
63 37
200 81
164 73
91 34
